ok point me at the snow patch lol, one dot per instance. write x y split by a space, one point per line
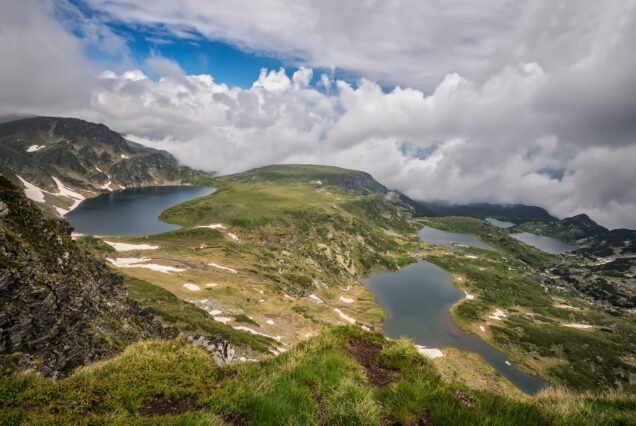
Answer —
315 299
346 300
482 328
192 287
213 226
270 322
469 296
224 320
135 262
68 193
222 268
61 211
130 247
345 316
431 353
576 325
249 330
33 192
498 315
566 307
34 148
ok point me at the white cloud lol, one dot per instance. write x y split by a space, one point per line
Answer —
407 42
491 96
465 142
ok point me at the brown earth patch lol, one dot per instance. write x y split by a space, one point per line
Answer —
368 355
423 420
160 406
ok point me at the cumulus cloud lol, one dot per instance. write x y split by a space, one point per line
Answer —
499 102
405 42
465 142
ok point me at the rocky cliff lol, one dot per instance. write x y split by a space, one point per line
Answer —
59 306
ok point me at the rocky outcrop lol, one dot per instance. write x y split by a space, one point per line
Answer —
59 306
85 156
220 349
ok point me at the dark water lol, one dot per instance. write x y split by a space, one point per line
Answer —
417 299
547 244
443 238
133 211
499 223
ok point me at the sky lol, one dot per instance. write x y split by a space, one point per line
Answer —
445 100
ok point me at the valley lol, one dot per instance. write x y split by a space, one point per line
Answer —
279 253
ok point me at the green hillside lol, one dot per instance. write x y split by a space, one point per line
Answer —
342 376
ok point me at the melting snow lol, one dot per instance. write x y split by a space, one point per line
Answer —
344 316
134 262
429 352
498 315
315 299
223 268
213 226
575 325
566 307
33 192
68 193
34 148
192 287
131 247
249 330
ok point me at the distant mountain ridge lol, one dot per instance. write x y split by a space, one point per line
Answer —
85 158
517 213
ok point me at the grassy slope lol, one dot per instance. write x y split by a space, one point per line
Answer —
282 209
321 381
534 334
186 318
297 216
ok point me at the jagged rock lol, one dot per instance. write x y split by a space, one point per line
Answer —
4 210
220 349
59 306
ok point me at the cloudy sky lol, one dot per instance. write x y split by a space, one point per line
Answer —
456 100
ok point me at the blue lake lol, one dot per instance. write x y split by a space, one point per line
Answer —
448 239
417 300
547 244
133 211
499 223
